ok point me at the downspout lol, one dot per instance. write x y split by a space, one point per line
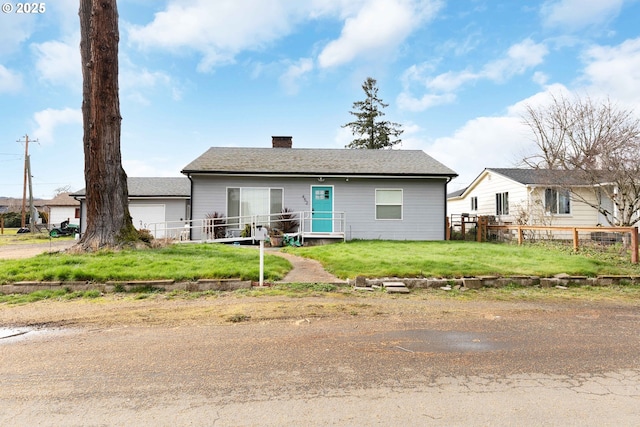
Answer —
446 213
190 207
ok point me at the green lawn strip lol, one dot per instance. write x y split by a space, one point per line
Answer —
178 262
460 259
10 237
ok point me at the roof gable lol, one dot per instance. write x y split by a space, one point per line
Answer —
302 161
528 177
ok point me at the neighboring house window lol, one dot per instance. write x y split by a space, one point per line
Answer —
474 203
502 203
248 201
388 204
77 213
557 201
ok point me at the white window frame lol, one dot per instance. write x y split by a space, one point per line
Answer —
502 203
555 210
268 189
401 204
474 203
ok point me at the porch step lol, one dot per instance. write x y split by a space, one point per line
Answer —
395 287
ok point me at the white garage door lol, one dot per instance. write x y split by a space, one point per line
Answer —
150 217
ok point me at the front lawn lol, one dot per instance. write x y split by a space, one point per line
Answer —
179 262
460 259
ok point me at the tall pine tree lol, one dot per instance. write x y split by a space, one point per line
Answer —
370 131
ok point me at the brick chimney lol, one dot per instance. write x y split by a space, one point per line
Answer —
282 141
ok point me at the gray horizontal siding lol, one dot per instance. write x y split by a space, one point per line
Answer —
423 203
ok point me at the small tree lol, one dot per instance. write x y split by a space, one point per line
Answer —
599 142
371 132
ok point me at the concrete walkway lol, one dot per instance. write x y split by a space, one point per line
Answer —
305 270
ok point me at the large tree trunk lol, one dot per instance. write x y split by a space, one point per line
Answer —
108 220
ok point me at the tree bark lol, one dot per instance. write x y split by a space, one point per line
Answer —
108 220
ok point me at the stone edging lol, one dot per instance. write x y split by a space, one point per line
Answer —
358 282
498 282
113 286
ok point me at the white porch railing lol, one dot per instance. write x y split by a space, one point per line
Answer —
232 229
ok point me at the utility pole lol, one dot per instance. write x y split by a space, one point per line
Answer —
26 175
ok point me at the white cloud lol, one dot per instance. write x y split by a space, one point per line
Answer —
10 82
481 143
407 102
451 80
58 62
136 83
220 30
377 28
614 71
217 30
486 142
290 79
571 15
48 120
519 58
16 28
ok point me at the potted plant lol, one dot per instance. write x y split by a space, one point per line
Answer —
275 237
287 221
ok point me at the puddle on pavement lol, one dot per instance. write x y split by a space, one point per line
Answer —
428 341
13 335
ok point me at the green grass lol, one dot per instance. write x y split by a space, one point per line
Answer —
58 294
10 237
459 259
179 262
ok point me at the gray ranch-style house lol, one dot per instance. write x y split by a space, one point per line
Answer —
333 193
159 204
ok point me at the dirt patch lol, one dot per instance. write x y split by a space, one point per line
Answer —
27 250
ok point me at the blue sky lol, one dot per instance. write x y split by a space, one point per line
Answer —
201 73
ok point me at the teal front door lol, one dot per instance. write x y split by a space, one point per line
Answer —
322 209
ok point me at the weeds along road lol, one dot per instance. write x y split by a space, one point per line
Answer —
322 360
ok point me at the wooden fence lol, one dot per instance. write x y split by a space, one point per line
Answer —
597 234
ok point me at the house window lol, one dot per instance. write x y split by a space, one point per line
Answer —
322 195
247 201
388 204
502 203
474 203
77 213
557 201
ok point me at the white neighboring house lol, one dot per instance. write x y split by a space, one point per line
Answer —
61 208
529 196
153 202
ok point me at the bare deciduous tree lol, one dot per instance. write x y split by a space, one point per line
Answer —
108 220
597 140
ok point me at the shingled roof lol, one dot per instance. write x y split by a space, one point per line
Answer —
154 187
543 176
304 161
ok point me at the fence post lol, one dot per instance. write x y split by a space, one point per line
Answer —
634 245
575 239
447 228
520 235
480 229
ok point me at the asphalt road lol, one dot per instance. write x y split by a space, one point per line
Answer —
451 364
